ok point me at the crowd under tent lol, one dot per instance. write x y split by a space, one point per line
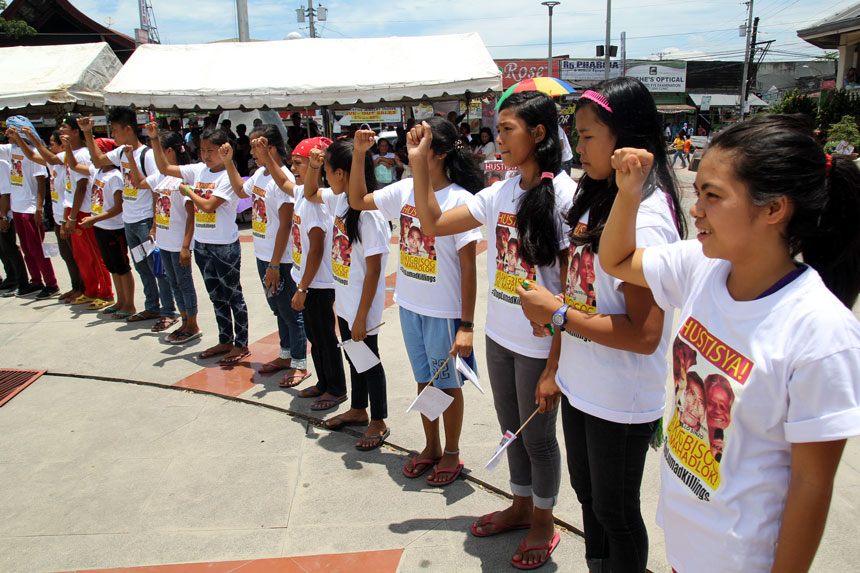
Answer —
305 73
48 79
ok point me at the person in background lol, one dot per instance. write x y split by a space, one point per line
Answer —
227 127
10 254
242 151
487 147
678 145
296 132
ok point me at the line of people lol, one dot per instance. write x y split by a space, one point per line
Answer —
578 317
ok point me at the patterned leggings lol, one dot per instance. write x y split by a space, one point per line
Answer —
219 265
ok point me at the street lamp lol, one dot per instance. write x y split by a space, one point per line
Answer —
550 4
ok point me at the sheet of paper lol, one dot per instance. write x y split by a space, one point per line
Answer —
507 440
363 358
431 402
142 251
50 250
467 372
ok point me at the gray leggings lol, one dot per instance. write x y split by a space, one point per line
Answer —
534 458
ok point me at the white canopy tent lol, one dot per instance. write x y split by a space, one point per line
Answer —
36 76
310 72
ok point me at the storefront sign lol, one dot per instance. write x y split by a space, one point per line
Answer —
589 69
659 76
514 71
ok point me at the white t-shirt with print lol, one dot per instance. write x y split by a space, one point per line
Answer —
136 203
73 177
428 281
496 207
22 178
267 199
348 261
57 175
105 184
219 227
170 214
308 215
619 386
756 376
5 186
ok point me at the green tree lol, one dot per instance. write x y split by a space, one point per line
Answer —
15 29
835 105
843 130
795 102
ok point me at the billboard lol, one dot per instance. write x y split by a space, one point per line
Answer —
514 71
589 69
659 76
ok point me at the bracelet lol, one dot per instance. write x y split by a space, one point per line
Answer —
274 267
466 324
72 219
301 290
312 167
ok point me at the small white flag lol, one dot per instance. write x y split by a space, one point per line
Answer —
507 440
431 402
466 371
50 250
362 357
142 251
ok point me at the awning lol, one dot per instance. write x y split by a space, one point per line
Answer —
670 108
304 73
70 74
728 100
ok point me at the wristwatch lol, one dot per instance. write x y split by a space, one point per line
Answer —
466 324
301 290
559 317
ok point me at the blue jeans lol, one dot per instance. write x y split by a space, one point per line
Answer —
291 325
181 283
219 265
156 290
679 153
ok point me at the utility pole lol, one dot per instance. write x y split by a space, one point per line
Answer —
743 94
623 53
311 18
607 48
752 50
550 5
242 20
320 14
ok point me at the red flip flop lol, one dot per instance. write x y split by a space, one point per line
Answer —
501 527
454 474
426 462
548 548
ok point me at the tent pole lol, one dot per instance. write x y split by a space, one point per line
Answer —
327 128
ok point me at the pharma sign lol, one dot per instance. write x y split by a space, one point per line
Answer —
589 69
659 76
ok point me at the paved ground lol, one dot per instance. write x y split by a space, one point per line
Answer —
101 473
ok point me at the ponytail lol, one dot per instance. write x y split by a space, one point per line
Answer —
174 141
274 137
460 167
536 212
339 156
777 155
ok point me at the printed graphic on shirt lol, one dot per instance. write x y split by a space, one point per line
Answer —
17 174
162 210
709 376
204 220
417 250
341 252
55 196
511 269
97 197
259 219
297 242
129 191
580 290
69 179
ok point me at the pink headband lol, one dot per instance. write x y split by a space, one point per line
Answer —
598 99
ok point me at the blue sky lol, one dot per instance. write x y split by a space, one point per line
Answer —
706 29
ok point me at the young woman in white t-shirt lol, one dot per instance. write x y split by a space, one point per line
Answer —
272 209
609 355
487 148
752 449
174 232
216 240
359 252
528 213
436 286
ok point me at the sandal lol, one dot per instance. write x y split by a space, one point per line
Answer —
234 359
164 323
500 526
312 392
83 299
270 368
140 316
120 315
110 309
295 380
99 304
342 423
548 548
209 353
455 473
380 439
327 403
426 462
183 337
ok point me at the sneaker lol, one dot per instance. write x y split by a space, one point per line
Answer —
8 285
29 289
47 292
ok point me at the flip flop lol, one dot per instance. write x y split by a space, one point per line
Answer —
235 359
455 473
295 380
500 527
120 315
140 317
549 549
99 304
183 337
342 423
163 324
327 403
270 368
109 310
83 299
426 462
379 437
312 392
210 353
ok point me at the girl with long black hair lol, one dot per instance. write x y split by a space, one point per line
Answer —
527 216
